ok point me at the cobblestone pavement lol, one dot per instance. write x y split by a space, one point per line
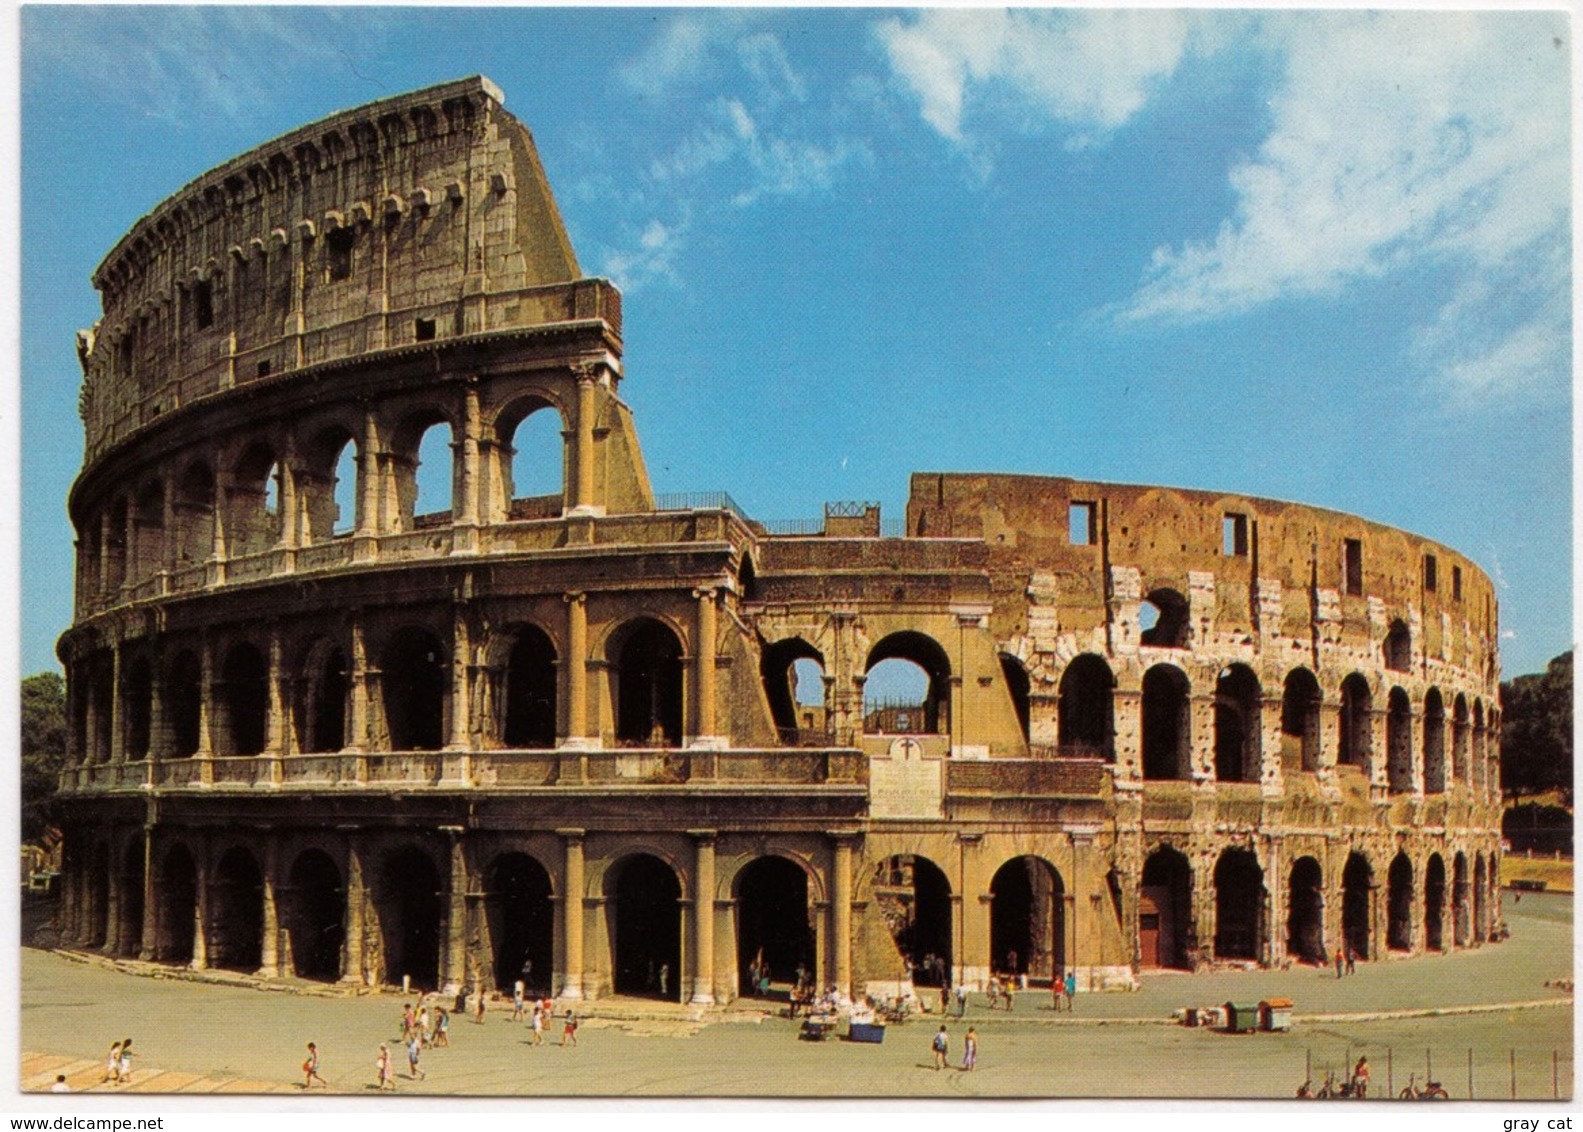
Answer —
210 1037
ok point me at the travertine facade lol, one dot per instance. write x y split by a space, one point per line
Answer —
353 741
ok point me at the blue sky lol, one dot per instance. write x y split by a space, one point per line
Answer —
1312 256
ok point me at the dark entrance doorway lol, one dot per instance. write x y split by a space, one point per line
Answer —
1027 921
313 908
1305 912
772 921
1239 905
530 693
646 928
98 897
245 694
649 687
915 899
177 908
1399 932
236 912
521 917
1435 904
409 918
1168 891
130 904
416 673
1357 899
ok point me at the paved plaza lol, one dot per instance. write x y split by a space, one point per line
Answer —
198 1037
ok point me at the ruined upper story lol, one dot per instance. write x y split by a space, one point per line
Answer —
421 217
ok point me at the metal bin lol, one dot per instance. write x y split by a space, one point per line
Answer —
1241 1017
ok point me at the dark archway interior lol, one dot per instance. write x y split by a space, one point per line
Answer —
1239 905
649 711
236 913
178 900
646 921
1164 723
777 669
1356 705
1017 686
772 921
312 910
139 706
530 693
130 911
245 686
1434 904
409 918
1300 702
926 653
1398 647
1027 923
1168 887
1356 898
99 897
1399 742
1237 698
521 915
915 900
1087 709
183 703
415 677
1399 930
1305 919
328 730
1434 744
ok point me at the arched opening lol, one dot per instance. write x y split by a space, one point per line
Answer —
1164 620
245 691
1165 911
1399 742
98 896
253 514
774 936
1435 903
1305 912
907 687
648 693
115 548
914 899
313 907
1481 904
129 905
1357 708
408 902
748 580
1167 743
421 456
1459 740
645 927
1087 726
184 704
530 692
1027 922
1434 743
1239 905
1480 767
148 521
138 703
1399 897
1300 700
1462 903
176 915
535 446
194 533
322 723
101 693
1398 647
520 910
1357 906
1237 708
415 682
785 668
236 912
327 483
1017 687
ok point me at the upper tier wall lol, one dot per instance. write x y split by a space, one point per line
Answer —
422 216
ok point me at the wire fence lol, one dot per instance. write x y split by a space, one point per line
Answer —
1429 1074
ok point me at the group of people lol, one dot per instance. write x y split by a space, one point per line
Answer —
1064 990
940 1046
118 1065
1350 960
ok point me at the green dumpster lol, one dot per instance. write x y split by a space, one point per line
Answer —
1242 1018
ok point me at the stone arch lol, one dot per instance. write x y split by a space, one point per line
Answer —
194 507
1435 903
648 683
914 899
778 664
407 898
1305 911
1239 905
115 548
1357 906
643 900
99 881
1434 743
1087 714
1398 647
531 719
927 654
531 431
313 909
774 913
177 897
1300 731
1238 709
322 466
408 440
253 519
1166 937
519 906
1399 742
1171 626
1017 688
138 705
148 520
1027 922
415 681
1480 767
244 692
129 901
183 702
323 697
1357 705
1399 902
236 912
1167 735
1459 740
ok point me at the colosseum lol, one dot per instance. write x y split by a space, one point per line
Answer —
621 741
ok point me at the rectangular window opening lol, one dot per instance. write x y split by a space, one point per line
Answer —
1234 535
1353 578
423 329
1456 583
203 309
1081 526
263 368
1431 573
338 253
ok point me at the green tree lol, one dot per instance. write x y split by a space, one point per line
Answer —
43 748
1536 731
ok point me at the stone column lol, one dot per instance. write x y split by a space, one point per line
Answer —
704 917
128 574
352 937
572 914
370 521
200 911
841 912
467 504
275 717
112 898
205 749
117 752
454 973
460 700
147 950
104 551
168 518
704 670
217 545
583 501
577 670
288 539
357 725
269 948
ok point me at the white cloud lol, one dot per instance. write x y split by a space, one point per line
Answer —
1087 69
650 258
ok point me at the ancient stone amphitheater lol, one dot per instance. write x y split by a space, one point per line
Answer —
620 741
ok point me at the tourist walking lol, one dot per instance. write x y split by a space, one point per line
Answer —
423 1025
479 1017
415 1051
1009 991
407 1021
970 1050
1071 989
385 1073
1338 964
941 1045
1352 961
310 1069
538 1024
126 1063
112 1065
1360 1079
518 1001
961 1000
442 1027
569 1033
